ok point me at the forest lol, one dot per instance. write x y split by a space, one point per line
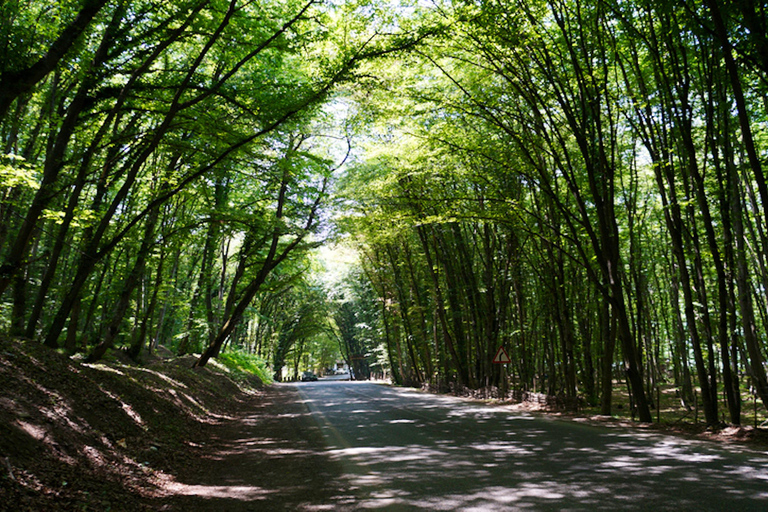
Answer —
578 181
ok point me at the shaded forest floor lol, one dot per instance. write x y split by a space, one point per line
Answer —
669 414
164 436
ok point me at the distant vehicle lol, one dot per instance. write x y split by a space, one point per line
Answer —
308 376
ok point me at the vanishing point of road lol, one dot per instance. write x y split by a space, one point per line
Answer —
400 449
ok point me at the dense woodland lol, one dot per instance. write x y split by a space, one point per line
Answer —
581 182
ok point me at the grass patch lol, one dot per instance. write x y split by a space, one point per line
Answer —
244 365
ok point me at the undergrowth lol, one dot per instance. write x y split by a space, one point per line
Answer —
244 365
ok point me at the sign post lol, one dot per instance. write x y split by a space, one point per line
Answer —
502 357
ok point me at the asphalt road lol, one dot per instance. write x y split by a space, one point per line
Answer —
403 450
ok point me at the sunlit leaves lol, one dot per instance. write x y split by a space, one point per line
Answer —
16 172
28 27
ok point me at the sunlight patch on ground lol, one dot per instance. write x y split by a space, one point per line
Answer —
748 472
103 368
390 454
501 447
35 431
126 407
495 498
238 492
379 503
362 450
258 441
194 402
60 411
623 462
249 447
42 434
666 450
291 415
194 408
369 480
94 455
543 490
133 414
172 382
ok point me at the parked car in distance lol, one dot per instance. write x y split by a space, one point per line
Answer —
308 376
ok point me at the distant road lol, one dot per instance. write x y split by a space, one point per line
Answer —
403 450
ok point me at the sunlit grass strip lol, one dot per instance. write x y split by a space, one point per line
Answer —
246 364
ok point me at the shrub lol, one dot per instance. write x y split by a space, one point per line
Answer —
243 364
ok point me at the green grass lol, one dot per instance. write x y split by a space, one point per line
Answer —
244 365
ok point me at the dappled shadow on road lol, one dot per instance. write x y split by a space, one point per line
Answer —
402 450
272 458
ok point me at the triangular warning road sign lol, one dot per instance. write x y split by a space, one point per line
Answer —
501 356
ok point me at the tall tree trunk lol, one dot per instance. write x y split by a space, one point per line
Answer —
137 344
71 341
608 331
273 258
54 161
129 286
724 264
748 324
440 310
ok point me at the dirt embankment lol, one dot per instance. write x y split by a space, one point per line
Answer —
119 437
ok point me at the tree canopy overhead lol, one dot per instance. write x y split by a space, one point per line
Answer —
165 154
581 182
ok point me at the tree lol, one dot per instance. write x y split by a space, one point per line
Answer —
134 108
609 133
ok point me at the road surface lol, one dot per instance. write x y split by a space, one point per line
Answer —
400 449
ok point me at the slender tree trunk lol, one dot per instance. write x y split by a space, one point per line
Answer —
54 161
748 324
738 97
137 343
608 330
19 302
129 286
71 341
422 326
440 309
725 263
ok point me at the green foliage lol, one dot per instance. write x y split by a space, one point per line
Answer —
177 155
16 172
540 178
298 324
243 364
